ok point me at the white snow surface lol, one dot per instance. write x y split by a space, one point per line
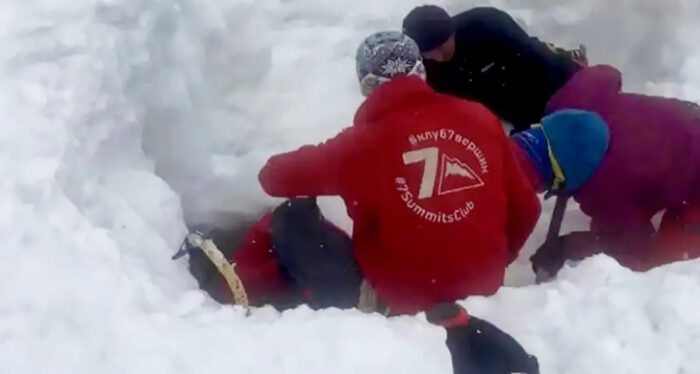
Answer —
119 115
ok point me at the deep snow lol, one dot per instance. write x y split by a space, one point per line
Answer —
112 109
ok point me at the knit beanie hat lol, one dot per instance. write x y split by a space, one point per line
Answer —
429 25
578 140
385 55
568 147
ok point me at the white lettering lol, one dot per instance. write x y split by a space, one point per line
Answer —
432 217
430 156
419 210
458 215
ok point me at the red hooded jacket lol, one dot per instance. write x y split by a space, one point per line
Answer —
439 204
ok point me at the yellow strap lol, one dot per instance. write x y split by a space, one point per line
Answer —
240 297
556 168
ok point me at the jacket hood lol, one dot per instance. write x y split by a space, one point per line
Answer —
402 92
592 88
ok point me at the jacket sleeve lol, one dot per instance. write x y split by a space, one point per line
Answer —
589 86
542 70
505 30
523 205
312 170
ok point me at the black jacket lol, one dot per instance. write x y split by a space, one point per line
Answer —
498 64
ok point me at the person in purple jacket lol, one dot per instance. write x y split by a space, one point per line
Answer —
624 158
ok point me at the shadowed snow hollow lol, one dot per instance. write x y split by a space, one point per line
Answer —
118 114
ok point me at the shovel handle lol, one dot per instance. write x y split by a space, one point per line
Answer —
557 217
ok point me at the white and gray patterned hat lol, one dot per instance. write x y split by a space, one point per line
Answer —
384 55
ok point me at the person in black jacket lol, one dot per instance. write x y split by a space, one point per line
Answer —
484 55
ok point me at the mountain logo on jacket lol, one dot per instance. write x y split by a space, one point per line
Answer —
457 176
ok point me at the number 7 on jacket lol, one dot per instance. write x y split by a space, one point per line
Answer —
430 156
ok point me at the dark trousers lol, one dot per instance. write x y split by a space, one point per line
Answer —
316 255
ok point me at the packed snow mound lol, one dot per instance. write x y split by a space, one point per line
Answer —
118 114
88 228
601 318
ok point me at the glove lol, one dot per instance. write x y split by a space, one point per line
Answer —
481 347
551 256
548 259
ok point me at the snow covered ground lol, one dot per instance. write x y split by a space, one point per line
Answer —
110 110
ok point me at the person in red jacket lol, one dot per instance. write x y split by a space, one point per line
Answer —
439 204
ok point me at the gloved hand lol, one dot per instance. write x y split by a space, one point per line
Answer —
548 259
551 256
480 347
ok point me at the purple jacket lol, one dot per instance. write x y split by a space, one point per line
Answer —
653 162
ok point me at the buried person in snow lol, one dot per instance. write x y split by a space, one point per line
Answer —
401 259
624 158
294 256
